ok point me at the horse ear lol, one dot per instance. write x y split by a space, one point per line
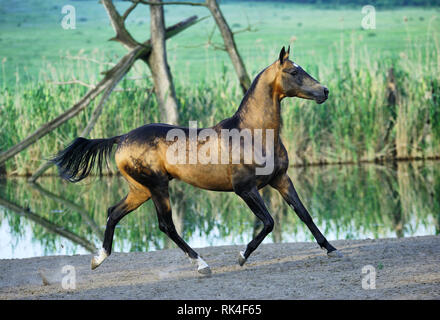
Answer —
282 54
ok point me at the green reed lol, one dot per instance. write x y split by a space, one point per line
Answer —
350 127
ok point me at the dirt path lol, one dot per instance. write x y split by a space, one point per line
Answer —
405 269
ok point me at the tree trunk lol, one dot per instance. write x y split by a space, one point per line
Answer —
230 46
157 61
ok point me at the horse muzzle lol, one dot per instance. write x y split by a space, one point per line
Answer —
321 98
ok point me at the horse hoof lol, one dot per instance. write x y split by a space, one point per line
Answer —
241 258
94 264
205 271
335 254
99 259
203 267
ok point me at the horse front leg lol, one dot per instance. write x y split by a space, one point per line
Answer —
285 187
254 201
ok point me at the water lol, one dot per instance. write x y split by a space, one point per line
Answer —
55 217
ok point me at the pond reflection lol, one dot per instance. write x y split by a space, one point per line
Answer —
346 202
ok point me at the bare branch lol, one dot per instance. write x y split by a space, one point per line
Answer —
248 28
227 35
139 52
172 31
112 77
210 43
91 86
200 4
89 60
39 172
122 35
74 81
130 9
94 118
178 27
231 48
217 46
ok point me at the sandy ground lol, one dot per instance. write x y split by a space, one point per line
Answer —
405 269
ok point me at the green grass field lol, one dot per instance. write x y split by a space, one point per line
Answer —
329 43
31 35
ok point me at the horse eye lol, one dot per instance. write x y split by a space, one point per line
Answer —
293 71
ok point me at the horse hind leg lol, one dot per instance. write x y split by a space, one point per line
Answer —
163 207
130 203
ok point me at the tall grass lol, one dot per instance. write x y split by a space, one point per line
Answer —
350 127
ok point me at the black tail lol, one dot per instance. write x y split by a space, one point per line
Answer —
77 160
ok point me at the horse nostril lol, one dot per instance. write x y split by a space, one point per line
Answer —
326 92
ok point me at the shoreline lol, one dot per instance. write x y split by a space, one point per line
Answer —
405 268
385 161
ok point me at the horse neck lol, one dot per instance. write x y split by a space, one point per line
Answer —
260 108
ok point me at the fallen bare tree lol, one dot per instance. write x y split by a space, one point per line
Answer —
155 58
95 115
110 80
153 53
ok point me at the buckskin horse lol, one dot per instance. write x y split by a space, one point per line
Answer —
141 159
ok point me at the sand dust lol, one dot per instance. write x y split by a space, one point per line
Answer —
405 269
